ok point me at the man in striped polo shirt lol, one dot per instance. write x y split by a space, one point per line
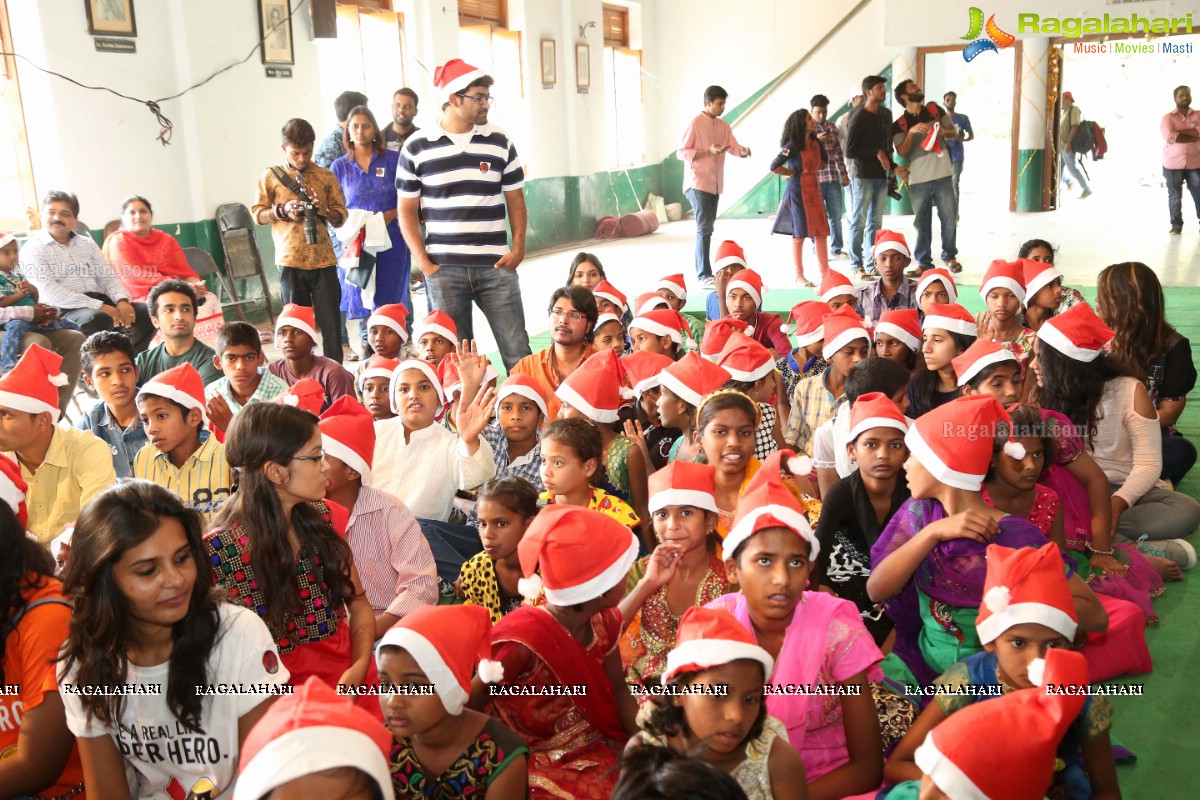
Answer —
458 178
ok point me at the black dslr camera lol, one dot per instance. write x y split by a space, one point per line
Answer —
893 187
311 215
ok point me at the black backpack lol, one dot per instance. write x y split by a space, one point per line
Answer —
1084 142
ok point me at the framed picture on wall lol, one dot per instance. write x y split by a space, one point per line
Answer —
110 17
549 69
275 27
583 67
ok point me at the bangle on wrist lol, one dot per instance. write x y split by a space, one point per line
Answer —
1096 552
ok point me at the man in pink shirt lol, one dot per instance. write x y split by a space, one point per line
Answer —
705 142
1181 155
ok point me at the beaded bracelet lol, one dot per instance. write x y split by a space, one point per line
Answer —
1096 552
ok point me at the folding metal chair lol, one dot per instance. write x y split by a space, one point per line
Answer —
242 259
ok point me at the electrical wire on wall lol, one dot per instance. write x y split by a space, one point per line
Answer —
155 106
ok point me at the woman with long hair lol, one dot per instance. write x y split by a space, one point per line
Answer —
148 629
279 548
802 211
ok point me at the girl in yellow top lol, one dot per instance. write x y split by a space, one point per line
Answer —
571 470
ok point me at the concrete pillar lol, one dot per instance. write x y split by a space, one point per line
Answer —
1031 131
904 67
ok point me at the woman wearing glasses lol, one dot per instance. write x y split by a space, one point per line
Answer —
279 548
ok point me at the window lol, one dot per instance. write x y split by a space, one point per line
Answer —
18 198
624 108
616 26
367 56
498 52
483 12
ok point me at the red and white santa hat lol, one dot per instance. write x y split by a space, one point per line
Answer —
5 238
451 380
1037 275
377 367
1002 274
32 385
604 319
965 765
749 282
729 253
581 554
312 730
394 316
425 367
649 301
1024 585
745 359
612 294
674 284
438 322
954 441
835 284
841 328
664 322
302 318
691 378
1076 333
682 483
597 388
182 385
952 317
455 75
710 637
644 370
305 394
903 325
809 316
875 410
938 274
526 386
982 354
447 642
13 487
348 434
717 333
890 240
767 503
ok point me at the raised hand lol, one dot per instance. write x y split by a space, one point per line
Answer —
472 366
662 565
471 418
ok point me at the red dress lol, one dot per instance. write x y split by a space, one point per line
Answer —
810 190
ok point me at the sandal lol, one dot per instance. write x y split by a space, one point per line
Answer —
954 266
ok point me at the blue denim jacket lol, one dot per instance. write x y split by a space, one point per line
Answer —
123 444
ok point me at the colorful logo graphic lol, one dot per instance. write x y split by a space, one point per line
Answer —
995 39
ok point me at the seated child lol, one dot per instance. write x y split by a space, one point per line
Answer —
387 333
646 429
246 378
656 773
729 260
296 339
436 337
674 289
1045 294
805 360
744 301
109 369
503 511
610 300
1003 291
660 330
897 336
649 301
716 335
946 332
1012 484
586 271
182 456
837 290
572 465
609 334
515 433
15 290
682 387
725 423
375 386
987 367
817 397
752 370
894 290
441 748
935 286
723 718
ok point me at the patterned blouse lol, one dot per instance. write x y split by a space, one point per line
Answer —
1044 510
1021 347
605 503
478 585
488 755
616 465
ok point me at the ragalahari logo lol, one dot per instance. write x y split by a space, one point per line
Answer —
994 40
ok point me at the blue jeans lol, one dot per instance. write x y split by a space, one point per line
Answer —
704 207
451 545
831 193
1067 164
497 292
867 196
956 173
1175 180
14 333
1178 457
924 196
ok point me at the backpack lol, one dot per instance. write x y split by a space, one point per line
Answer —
1089 139
1101 142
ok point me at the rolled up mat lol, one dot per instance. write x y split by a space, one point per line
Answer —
639 223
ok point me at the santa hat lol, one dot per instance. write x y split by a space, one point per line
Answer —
938 274
717 333
348 434
664 322
525 386
425 367
451 380
745 359
455 76
749 282
954 442
710 637
767 503
982 354
5 238
446 642
1076 333
890 240
835 284
13 487
302 318
682 483
809 316
691 378
729 253
952 317
597 388
32 385
1004 275
377 367
1025 585
438 322
612 294
394 316
932 143
182 385
903 325
1037 275
644 370
875 410
673 284
604 319
305 394
841 328
311 730
649 301
580 554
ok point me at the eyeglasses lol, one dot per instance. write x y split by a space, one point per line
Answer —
571 316
481 99
319 457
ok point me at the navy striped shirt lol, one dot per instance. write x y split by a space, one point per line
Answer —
461 180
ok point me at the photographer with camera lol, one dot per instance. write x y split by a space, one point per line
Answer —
296 199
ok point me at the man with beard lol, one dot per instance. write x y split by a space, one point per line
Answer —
573 316
404 110
1181 155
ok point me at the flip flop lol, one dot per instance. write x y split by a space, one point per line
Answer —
954 266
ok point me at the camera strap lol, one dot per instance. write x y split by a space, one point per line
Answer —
287 180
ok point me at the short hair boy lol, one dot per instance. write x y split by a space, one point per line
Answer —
245 378
110 370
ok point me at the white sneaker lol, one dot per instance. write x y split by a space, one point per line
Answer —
708 284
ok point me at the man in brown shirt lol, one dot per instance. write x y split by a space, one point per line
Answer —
307 272
573 316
